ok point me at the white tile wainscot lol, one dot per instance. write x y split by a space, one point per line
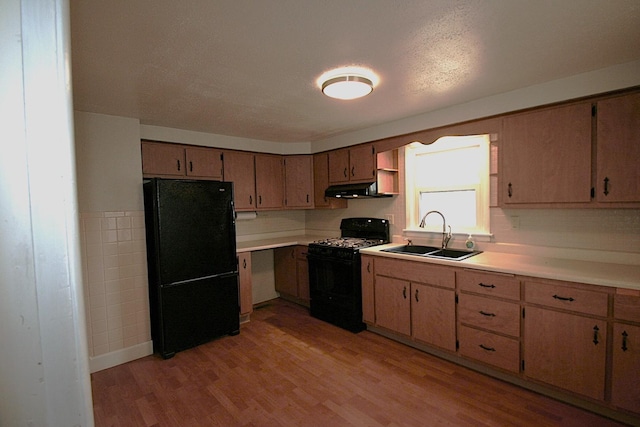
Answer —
115 287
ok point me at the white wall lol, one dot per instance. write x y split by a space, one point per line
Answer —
44 377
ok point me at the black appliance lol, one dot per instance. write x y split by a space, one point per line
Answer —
192 263
334 271
355 191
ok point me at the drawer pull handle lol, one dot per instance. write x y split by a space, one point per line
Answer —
624 341
558 297
416 296
484 347
595 334
484 313
404 292
369 267
482 285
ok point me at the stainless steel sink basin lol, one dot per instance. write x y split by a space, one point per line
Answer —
411 249
432 252
452 254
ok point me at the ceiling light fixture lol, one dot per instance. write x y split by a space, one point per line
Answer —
348 86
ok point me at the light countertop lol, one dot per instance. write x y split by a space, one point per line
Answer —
278 242
594 273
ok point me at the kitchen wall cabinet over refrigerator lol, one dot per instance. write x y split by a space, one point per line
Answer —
174 160
192 264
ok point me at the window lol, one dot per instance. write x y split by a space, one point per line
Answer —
450 176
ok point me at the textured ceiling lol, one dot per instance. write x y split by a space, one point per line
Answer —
248 68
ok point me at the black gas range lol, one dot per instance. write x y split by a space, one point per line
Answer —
334 271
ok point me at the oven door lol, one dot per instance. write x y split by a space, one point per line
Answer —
335 290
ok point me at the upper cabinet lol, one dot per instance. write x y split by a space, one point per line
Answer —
354 164
321 183
546 156
239 168
172 160
298 182
618 149
582 154
269 182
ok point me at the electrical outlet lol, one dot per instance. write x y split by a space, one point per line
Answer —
390 218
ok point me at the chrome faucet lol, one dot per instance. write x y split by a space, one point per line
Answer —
445 236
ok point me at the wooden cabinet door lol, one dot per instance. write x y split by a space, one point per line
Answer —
433 315
339 166
246 289
160 159
239 169
618 149
362 163
298 182
203 163
565 350
546 156
284 263
626 367
368 298
269 181
393 306
321 183
302 273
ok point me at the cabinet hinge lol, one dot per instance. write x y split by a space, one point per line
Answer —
593 192
522 365
457 345
594 110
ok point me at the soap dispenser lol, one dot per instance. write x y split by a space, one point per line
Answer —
469 243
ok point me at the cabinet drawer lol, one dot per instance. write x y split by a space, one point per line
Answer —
566 298
626 305
490 348
486 313
504 286
418 272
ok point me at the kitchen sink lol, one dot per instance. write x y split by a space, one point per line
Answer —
411 249
452 254
432 252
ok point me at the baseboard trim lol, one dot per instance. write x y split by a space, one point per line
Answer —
118 357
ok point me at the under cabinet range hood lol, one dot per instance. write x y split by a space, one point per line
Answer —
355 191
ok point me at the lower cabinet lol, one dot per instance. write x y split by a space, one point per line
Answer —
625 376
577 341
566 350
291 272
246 288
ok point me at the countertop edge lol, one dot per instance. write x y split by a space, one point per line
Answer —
593 273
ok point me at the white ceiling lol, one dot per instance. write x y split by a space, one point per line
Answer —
248 68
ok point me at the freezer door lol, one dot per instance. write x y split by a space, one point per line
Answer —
193 313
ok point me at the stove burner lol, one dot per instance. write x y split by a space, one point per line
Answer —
348 242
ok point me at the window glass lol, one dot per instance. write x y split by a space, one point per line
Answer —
450 176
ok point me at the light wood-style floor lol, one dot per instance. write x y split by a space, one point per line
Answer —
286 368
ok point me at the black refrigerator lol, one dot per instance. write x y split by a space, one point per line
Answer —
192 262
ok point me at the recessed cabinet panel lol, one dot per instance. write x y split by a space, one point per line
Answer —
566 350
618 149
546 156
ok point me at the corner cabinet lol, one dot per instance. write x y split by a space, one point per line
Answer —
354 164
321 183
291 271
298 182
239 168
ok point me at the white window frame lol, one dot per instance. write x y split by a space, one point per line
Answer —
482 229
